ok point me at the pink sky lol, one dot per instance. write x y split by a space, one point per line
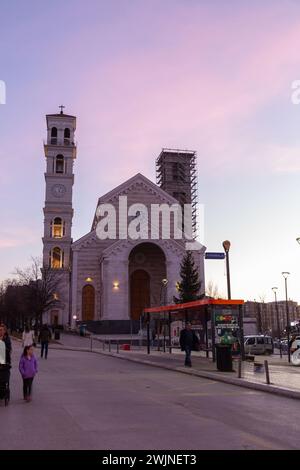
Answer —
209 76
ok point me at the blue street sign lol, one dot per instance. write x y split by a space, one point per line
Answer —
214 255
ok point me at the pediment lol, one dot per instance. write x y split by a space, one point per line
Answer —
138 181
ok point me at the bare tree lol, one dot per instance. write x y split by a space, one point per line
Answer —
13 305
262 297
212 291
42 285
263 313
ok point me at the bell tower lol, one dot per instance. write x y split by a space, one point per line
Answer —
60 153
176 173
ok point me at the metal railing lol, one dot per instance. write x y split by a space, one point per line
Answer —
254 371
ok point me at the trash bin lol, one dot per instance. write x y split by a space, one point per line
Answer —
224 357
82 330
56 334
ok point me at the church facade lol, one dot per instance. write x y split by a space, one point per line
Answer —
110 280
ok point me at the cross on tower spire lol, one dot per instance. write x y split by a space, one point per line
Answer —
61 109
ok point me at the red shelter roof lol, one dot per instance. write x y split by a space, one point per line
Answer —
192 305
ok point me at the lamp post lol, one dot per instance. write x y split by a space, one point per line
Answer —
274 289
163 291
74 321
286 275
226 246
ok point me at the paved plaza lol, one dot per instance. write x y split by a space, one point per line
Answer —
283 376
90 401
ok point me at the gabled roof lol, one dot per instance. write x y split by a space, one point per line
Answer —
128 184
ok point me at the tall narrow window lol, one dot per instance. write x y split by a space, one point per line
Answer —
59 164
54 135
56 258
54 132
57 228
67 135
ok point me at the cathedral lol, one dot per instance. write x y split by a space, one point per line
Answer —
108 281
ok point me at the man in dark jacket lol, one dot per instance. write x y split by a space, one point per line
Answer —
188 343
44 337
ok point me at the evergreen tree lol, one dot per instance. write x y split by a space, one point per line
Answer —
189 286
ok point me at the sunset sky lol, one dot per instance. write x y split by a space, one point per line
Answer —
210 76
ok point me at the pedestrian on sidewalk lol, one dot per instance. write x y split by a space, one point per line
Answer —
153 337
28 369
27 337
7 342
44 338
5 362
189 342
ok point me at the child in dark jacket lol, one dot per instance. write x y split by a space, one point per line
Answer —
28 369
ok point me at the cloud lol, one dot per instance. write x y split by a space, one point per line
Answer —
18 238
285 159
193 91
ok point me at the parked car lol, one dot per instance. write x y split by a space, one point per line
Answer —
295 344
295 351
258 344
284 345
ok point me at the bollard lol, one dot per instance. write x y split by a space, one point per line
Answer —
91 343
240 368
103 345
117 346
267 372
109 345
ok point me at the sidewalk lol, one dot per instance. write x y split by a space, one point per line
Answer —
284 378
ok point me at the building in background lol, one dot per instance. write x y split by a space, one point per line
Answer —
261 317
110 281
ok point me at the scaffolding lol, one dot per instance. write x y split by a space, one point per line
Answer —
176 173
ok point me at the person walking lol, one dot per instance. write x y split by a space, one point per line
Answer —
44 338
7 341
28 369
188 342
27 337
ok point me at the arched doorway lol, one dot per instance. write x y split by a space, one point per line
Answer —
88 303
139 293
147 268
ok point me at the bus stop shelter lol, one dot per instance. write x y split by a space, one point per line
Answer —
224 317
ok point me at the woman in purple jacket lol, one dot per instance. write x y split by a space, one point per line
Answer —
28 369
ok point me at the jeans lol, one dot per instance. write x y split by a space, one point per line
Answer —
27 384
188 351
44 347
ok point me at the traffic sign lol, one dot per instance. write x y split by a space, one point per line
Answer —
214 255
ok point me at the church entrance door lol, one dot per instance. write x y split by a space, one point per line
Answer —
88 303
139 293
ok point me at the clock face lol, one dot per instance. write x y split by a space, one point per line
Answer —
58 190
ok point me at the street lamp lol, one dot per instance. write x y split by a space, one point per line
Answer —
274 289
226 246
163 291
74 319
286 275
